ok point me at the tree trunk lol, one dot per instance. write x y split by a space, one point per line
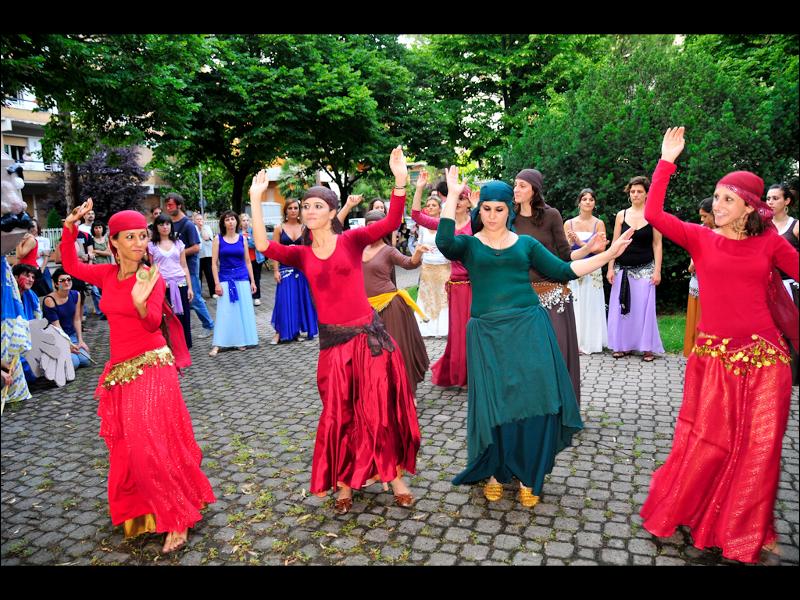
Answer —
70 185
238 188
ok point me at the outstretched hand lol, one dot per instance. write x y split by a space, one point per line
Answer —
397 162
673 144
259 186
598 243
454 186
619 245
354 200
78 213
422 180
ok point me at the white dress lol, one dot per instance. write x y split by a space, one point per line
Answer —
432 295
590 308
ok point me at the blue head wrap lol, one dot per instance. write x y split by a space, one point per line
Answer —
495 191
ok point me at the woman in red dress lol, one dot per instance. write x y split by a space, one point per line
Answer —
451 368
368 428
154 481
721 476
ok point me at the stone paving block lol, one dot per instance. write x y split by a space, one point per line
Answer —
425 544
527 558
474 552
614 557
643 547
439 559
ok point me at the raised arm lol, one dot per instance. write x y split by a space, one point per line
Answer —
422 181
350 204
93 274
375 231
427 221
683 234
288 255
451 246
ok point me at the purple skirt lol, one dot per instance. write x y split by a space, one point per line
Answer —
638 330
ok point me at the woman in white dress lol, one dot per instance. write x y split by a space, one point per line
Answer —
590 302
432 296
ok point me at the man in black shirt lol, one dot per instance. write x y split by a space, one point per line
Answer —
187 233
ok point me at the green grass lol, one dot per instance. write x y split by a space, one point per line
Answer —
672 328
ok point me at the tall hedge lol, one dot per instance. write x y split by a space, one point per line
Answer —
610 129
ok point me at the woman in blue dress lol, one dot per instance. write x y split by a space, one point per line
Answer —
235 286
294 311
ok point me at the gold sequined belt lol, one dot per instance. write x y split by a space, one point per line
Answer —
459 282
127 371
755 353
552 295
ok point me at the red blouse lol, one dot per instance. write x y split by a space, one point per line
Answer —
30 257
130 335
337 282
733 274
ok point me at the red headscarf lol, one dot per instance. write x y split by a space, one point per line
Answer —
126 220
749 187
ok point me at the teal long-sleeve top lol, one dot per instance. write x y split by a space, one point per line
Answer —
500 277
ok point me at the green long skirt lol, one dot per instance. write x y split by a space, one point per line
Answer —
521 407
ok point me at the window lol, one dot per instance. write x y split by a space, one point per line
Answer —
15 152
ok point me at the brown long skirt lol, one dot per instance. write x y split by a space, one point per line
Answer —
567 335
402 326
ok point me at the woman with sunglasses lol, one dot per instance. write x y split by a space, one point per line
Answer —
63 309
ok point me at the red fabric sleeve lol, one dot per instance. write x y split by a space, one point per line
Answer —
286 255
364 236
93 274
683 234
401 260
785 257
427 221
152 319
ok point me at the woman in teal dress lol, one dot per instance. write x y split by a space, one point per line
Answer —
521 406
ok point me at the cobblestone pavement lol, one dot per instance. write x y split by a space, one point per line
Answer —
255 416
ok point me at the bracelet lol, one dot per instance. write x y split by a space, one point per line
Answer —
399 187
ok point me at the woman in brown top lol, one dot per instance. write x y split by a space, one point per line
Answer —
395 307
544 223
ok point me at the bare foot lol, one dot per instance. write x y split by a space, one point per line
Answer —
174 540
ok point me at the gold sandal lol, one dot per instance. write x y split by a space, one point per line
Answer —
493 491
526 497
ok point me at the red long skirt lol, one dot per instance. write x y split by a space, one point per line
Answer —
451 369
368 426
154 481
721 477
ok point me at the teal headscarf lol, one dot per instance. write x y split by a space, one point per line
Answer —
494 191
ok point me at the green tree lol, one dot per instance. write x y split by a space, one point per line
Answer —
496 83
185 180
610 129
371 95
108 89
112 177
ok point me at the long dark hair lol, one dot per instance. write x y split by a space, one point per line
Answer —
160 220
331 199
538 207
